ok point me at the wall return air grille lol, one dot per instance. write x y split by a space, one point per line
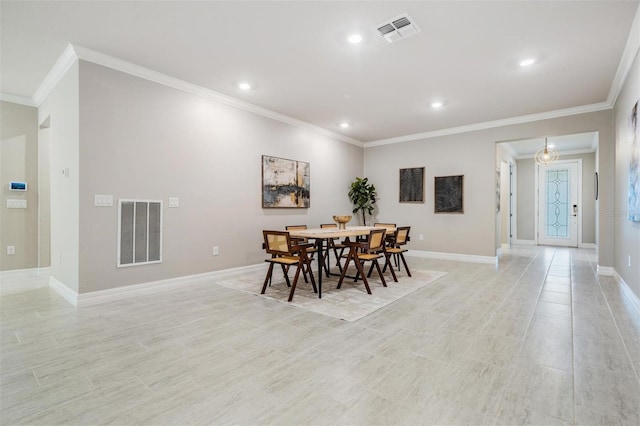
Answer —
398 28
139 232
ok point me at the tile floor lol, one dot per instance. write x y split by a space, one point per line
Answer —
539 340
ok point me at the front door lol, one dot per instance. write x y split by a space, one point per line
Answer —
558 204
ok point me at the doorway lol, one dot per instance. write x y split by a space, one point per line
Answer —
559 189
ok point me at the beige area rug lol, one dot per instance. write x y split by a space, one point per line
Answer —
351 302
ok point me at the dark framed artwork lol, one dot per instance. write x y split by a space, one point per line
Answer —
285 183
449 194
412 185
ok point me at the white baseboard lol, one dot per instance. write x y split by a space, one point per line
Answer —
630 294
453 256
118 293
607 271
588 245
64 291
525 242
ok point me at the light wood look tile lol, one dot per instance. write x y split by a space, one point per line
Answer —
539 339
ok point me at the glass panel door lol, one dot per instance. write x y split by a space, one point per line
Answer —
558 204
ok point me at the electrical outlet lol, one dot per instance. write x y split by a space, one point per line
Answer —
216 251
629 261
421 237
11 250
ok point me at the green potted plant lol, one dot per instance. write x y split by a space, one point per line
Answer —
363 196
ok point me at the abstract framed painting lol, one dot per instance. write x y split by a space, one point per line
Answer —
412 185
448 194
285 183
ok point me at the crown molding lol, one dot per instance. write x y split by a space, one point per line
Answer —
121 65
629 54
572 152
493 124
62 65
21 100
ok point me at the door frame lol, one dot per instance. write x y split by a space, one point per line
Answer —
536 235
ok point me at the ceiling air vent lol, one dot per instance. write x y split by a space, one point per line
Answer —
397 28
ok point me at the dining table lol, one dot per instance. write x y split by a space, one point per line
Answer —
323 235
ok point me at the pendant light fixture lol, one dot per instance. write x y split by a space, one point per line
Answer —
546 155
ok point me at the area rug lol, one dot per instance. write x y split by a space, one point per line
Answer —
350 303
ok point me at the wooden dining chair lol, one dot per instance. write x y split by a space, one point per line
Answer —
366 251
395 247
286 252
335 245
311 249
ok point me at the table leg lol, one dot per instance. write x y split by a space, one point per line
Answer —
319 245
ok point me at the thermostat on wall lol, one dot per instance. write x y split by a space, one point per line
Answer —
18 186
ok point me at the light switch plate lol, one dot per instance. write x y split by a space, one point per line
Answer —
174 202
103 200
16 204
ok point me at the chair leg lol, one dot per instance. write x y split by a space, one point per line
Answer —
313 281
344 269
405 264
325 259
375 262
267 279
370 270
364 277
388 262
338 257
295 281
285 271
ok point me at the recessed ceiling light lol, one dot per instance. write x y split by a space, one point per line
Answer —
354 38
436 105
551 145
344 125
527 62
244 85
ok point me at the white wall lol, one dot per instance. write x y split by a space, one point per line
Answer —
503 160
19 162
139 139
61 108
473 154
627 233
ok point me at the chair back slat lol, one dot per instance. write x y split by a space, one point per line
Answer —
295 227
402 235
277 242
328 225
376 239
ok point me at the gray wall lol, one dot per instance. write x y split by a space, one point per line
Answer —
627 233
526 197
19 162
139 139
473 154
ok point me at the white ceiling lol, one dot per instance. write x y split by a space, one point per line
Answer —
296 56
